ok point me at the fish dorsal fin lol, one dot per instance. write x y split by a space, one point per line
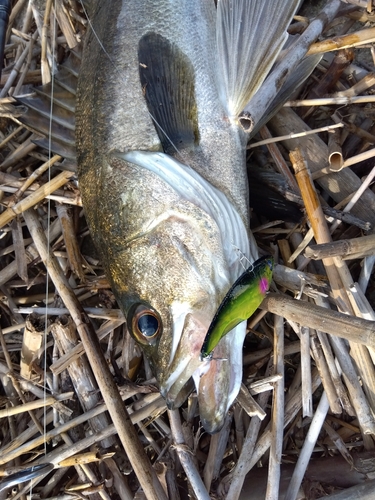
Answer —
250 35
167 78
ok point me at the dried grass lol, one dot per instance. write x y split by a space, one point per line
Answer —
306 408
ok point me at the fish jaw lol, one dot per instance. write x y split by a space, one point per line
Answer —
219 385
217 379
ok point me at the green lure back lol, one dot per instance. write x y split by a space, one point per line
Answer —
240 302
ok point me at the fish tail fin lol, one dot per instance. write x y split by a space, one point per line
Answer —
250 35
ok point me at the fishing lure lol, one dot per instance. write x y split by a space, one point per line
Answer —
240 302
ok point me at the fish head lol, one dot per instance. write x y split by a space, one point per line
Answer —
174 259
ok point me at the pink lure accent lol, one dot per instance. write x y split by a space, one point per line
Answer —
263 285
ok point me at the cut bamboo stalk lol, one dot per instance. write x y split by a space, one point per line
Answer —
307 409
65 336
335 158
34 198
354 248
307 449
216 452
295 135
277 425
319 318
343 42
185 456
338 185
319 225
321 363
31 343
33 405
330 101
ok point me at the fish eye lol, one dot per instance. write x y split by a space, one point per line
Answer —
145 324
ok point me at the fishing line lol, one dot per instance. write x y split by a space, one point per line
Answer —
121 77
53 53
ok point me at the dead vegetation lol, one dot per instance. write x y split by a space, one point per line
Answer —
305 414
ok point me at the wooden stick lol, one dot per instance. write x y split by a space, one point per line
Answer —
354 248
307 409
342 42
34 198
185 456
277 425
307 448
294 135
322 365
32 405
319 318
330 101
126 431
318 224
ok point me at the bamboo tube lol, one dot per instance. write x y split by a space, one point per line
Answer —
307 409
271 139
335 158
322 365
319 318
354 248
185 456
338 185
34 198
32 405
343 42
277 425
307 448
330 101
319 225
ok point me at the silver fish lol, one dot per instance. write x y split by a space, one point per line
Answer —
162 173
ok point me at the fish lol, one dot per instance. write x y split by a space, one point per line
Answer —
162 174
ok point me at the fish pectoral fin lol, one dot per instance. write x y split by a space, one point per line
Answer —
250 35
168 83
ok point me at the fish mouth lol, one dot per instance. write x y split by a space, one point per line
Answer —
217 379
